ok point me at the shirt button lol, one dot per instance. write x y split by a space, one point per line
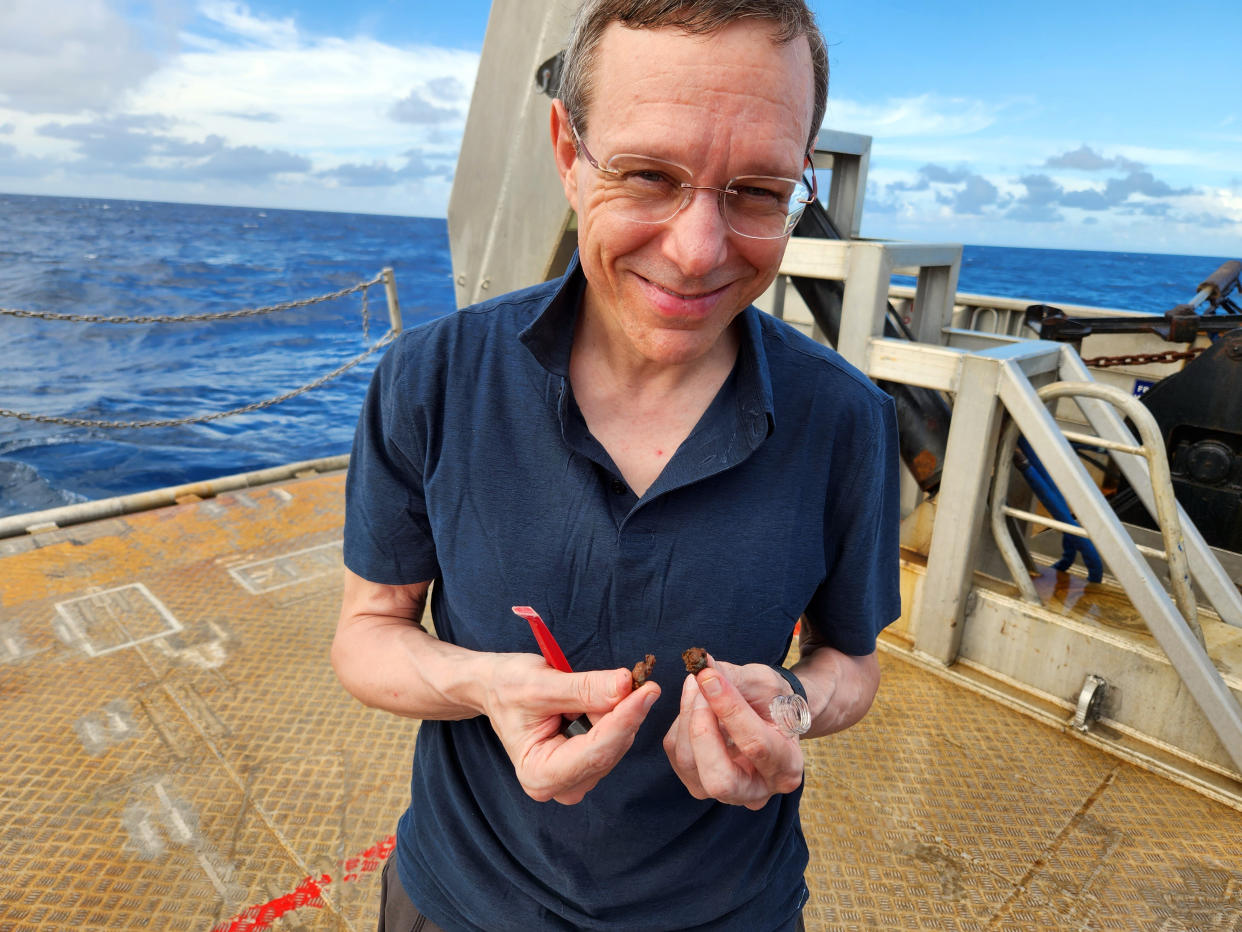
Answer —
618 487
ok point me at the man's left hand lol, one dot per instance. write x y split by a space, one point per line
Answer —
722 745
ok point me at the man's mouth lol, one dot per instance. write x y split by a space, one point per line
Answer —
685 295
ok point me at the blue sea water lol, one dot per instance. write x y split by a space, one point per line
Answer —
128 258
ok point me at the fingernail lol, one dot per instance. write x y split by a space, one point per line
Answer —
710 684
649 700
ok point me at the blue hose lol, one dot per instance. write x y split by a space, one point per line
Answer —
1052 500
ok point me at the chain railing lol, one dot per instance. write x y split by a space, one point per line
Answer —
190 318
1140 359
394 314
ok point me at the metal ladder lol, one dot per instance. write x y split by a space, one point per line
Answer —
1173 624
997 376
1161 484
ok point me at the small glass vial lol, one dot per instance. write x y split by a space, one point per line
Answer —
791 715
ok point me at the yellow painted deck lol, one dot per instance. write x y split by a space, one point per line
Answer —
178 755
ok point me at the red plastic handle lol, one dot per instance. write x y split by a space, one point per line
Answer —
547 644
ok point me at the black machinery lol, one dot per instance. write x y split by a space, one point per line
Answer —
1199 409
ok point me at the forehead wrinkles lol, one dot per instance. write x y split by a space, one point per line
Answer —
695 137
660 100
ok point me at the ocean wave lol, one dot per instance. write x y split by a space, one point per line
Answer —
23 489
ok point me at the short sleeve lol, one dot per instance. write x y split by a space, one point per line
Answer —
388 536
861 593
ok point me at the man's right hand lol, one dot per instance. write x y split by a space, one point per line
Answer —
384 658
527 701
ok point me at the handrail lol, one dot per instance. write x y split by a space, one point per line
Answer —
975 300
986 383
1161 481
1186 653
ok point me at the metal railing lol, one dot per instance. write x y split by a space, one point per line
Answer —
1160 484
994 377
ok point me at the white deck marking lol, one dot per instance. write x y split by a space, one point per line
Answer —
289 568
114 619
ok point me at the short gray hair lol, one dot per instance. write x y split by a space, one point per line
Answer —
789 19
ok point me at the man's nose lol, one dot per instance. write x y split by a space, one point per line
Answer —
698 236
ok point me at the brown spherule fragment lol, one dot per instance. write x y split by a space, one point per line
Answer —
695 659
642 671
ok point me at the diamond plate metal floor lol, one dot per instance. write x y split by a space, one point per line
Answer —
178 755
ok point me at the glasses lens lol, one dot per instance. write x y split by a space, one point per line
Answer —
649 190
644 189
763 207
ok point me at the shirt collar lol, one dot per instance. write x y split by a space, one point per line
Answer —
550 336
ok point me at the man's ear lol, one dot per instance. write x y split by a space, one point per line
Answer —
565 152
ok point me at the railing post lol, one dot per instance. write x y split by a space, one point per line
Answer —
864 301
973 434
933 302
394 309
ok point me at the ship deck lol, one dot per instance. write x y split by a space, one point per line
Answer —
179 756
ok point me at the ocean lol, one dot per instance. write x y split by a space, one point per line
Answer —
68 255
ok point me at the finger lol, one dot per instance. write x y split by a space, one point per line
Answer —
677 743
776 758
629 714
565 769
709 743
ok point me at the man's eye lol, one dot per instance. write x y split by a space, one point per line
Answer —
760 194
648 178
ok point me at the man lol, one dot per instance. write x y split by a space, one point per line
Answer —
652 464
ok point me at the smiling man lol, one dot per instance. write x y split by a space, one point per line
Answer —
653 464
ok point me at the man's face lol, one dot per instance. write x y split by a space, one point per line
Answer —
729 104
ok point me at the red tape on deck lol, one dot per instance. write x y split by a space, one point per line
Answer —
309 892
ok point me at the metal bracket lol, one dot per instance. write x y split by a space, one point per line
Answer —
1090 702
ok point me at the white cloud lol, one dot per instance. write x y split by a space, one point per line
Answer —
416 108
924 115
1084 158
67 56
238 22
248 110
329 98
1224 203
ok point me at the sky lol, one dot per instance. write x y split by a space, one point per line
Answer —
1084 125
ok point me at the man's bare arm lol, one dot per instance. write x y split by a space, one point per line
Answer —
839 687
385 659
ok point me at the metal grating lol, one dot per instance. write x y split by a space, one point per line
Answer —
178 755
177 749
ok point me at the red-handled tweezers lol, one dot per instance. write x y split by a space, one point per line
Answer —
555 657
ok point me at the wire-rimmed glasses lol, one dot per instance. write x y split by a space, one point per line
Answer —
651 190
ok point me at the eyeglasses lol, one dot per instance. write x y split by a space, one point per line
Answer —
649 190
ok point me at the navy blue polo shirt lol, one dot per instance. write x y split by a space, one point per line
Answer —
473 467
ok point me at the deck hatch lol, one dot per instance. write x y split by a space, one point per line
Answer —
114 619
287 569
